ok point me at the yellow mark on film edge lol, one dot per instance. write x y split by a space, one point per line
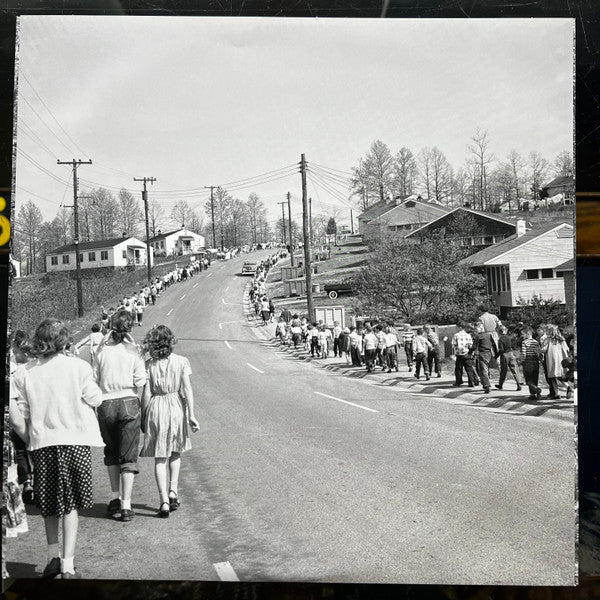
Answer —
4 224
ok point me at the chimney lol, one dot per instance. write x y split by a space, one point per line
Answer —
159 232
521 227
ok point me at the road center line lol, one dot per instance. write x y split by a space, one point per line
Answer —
182 297
169 312
253 367
225 571
227 289
194 285
227 344
209 274
346 402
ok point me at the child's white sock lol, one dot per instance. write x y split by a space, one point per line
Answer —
126 504
66 565
53 551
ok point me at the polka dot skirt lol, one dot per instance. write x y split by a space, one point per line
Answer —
63 479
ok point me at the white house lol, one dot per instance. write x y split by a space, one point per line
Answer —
526 265
116 252
181 241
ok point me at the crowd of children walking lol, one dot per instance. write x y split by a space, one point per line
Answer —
378 344
61 406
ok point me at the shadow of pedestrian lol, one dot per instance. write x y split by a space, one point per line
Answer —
18 570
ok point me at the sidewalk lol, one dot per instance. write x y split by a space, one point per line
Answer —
507 400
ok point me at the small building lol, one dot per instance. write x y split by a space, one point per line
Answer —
471 228
568 274
15 267
178 242
113 253
560 191
408 215
371 212
526 265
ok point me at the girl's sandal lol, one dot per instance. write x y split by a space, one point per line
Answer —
174 503
164 510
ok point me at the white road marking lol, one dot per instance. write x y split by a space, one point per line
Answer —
209 274
225 571
227 344
194 285
227 289
231 303
182 297
253 367
169 312
346 402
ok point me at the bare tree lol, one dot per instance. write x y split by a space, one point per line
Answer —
563 164
29 221
256 210
405 172
481 152
181 214
373 178
517 164
105 214
538 170
155 217
460 187
441 176
130 214
425 170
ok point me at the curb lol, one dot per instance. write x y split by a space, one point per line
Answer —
506 405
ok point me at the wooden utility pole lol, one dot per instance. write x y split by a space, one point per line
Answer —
289 203
283 221
75 163
145 199
212 212
352 221
306 231
310 220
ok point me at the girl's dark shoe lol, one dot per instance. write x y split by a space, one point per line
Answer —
518 388
165 510
174 503
52 569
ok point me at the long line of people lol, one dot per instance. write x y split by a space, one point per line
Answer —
61 406
378 344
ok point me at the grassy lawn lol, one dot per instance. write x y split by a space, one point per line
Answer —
345 259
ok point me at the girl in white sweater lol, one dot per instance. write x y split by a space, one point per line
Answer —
57 394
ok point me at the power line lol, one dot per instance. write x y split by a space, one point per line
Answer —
338 178
327 187
349 174
51 114
40 167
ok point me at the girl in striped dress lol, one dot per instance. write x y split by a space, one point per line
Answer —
167 413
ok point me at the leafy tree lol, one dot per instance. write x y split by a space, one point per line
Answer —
331 227
422 282
540 310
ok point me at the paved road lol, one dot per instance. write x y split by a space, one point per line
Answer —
298 474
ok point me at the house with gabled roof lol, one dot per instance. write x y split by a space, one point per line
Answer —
178 242
407 215
525 265
473 229
372 212
112 253
559 191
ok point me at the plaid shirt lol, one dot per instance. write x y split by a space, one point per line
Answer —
461 343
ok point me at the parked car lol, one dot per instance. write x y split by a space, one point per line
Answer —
249 268
333 290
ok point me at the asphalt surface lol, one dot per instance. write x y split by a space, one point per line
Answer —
302 473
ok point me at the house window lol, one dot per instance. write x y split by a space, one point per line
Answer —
532 274
498 279
124 253
392 227
91 256
560 273
81 257
103 254
547 274
65 259
54 260
488 239
162 244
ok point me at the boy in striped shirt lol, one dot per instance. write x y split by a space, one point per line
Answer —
407 341
530 355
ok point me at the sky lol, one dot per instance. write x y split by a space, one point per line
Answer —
196 102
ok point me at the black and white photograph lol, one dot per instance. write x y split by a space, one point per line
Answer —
292 300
